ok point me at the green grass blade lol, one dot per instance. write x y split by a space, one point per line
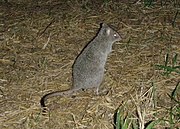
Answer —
168 69
152 124
148 3
118 120
175 91
174 20
166 59
174 60
126 123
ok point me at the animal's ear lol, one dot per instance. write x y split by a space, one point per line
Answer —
103 24
106 29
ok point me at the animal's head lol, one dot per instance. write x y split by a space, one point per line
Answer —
109 34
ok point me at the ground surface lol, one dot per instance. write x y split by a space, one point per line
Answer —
39 41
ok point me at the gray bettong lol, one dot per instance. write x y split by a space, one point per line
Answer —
88 68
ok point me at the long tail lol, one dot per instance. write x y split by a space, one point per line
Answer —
44 98
56 93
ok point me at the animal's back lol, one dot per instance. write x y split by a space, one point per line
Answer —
87 70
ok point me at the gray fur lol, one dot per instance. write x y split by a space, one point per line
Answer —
89 66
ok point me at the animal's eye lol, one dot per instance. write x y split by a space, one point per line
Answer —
115 35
